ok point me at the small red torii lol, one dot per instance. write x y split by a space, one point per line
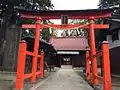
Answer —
90 15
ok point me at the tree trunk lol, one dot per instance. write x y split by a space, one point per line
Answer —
9 41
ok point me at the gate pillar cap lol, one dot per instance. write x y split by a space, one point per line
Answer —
23 41
105 42
91 18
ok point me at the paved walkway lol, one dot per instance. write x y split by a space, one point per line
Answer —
65 79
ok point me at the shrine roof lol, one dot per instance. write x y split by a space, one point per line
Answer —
69 43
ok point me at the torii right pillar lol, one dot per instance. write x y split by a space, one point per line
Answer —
93 51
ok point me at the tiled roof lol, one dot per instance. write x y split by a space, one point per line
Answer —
69 43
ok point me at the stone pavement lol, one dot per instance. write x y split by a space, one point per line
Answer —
65 79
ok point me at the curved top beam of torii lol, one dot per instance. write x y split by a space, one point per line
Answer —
72 14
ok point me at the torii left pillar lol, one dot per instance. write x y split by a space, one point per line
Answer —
36 47
93 51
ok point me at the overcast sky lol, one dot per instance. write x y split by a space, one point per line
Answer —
75 4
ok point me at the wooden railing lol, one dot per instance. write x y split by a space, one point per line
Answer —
106 76
21 76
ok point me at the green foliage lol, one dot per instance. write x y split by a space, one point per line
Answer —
101 34
108 3
82 32
28 4
45 34
79 21
31 5
44 4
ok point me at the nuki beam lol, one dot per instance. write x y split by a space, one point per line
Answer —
96 26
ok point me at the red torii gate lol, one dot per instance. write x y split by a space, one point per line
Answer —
91 15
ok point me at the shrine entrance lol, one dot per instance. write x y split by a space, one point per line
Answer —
91 53
66 61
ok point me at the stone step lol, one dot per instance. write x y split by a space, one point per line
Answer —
66 66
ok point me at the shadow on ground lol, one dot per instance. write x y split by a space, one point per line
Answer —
115 80
7 80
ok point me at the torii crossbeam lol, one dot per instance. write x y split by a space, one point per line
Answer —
72 14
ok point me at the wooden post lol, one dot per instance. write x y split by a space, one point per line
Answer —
87 65
36 47
21 66
93 51
42 65
106 66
